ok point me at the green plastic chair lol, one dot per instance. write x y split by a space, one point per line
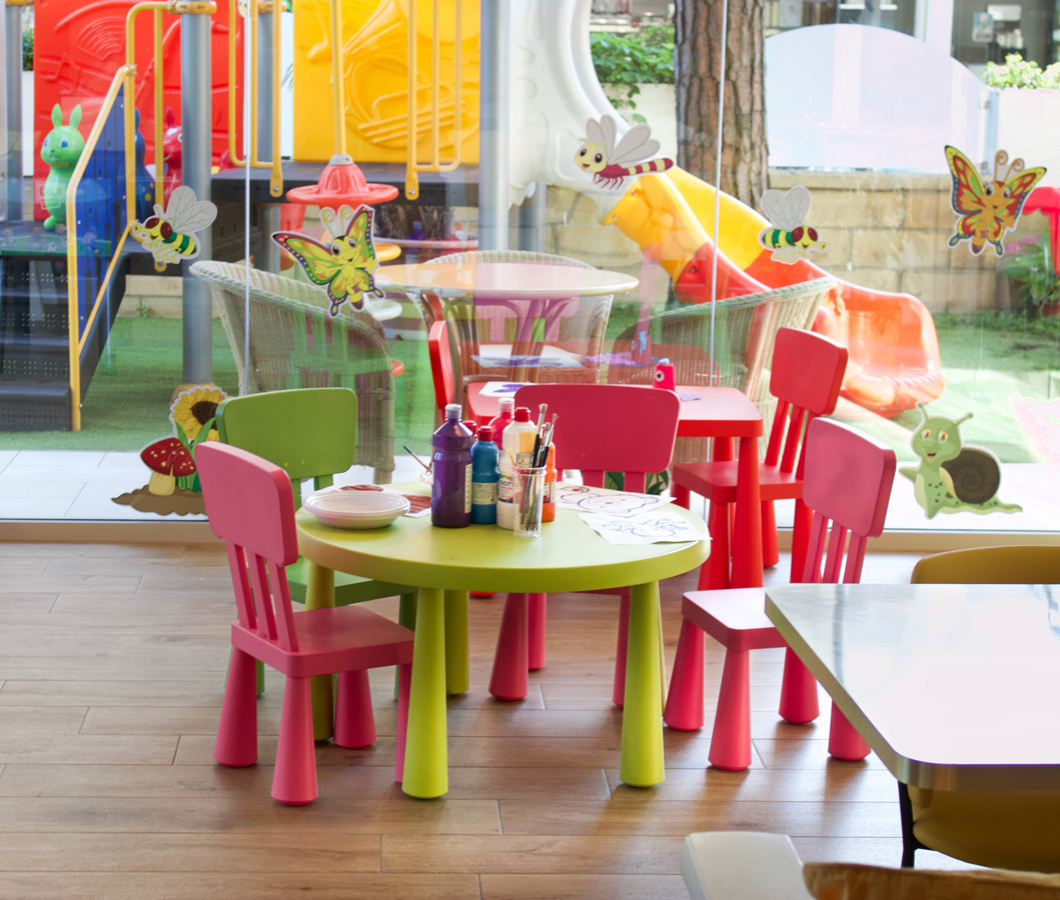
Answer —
309 433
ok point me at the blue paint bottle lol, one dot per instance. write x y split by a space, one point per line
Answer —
484 477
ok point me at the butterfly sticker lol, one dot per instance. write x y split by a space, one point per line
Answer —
344 265
988 210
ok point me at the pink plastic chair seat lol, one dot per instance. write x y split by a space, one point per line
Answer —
601 428
250 505
848 479
806 374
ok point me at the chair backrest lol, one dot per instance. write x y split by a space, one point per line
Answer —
608 428
990 565
309 433
805 377
441 365
251 508
847 482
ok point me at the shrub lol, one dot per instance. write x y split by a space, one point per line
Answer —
27 50
1018 72
623 61
1029 264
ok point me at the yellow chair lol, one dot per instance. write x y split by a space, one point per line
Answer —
1002 829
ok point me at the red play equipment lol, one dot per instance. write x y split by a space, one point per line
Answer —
894 352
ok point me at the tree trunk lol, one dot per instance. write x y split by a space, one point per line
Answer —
697 52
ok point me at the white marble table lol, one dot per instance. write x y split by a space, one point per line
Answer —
955 687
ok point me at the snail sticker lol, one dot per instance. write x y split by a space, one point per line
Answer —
988 209
611 163
951 477
789 237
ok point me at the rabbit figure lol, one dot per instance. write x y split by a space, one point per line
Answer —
61 150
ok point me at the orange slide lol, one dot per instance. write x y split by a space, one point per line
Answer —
894 351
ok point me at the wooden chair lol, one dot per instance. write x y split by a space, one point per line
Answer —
600 428
848 479
251 507
309 433
805 377
1002 829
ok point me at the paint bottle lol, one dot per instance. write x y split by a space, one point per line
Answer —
548 509
451 489
517 444
484 477
500 421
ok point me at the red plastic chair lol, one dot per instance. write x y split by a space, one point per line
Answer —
848 479
807 372
600 428
251 507
444 377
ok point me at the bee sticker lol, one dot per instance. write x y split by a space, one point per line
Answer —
168 234
988 210
790 238
609 163
344 265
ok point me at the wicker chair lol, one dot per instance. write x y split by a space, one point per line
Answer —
576 327
744 331
294 343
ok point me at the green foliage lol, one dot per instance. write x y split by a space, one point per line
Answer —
1029 264
27 49
1018 72
624 61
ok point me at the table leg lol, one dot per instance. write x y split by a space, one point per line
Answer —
747 531
457 646
320 593
426 757
642 748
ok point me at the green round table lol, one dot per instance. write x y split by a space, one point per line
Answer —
445 563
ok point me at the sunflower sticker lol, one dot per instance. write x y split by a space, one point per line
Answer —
174 484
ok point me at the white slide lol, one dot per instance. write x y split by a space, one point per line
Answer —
554 92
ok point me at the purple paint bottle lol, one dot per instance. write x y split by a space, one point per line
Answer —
451 491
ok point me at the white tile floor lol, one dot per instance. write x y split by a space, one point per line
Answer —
77 485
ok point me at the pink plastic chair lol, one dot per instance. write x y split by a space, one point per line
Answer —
251 507
847 482
805 377
600 428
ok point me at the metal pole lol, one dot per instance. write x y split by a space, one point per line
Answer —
270 255
532 219
13 118
195 117
495 81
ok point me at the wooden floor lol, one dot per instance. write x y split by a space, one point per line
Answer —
111 667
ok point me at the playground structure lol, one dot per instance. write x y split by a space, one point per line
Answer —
894 355
553 92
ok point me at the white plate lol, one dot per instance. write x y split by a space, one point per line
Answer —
356 509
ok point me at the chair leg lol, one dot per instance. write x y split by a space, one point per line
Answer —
237 732
508 680
800 540
618 690
684 701
798 692
404 676
714 573
681 495
407 618
843 740
770 549
295 780
730 743
354 721
536 606
909 842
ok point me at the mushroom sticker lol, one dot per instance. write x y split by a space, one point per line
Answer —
174 483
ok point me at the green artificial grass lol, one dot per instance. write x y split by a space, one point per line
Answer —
988 358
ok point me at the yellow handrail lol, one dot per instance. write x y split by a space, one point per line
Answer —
124 75
412 182
253 9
